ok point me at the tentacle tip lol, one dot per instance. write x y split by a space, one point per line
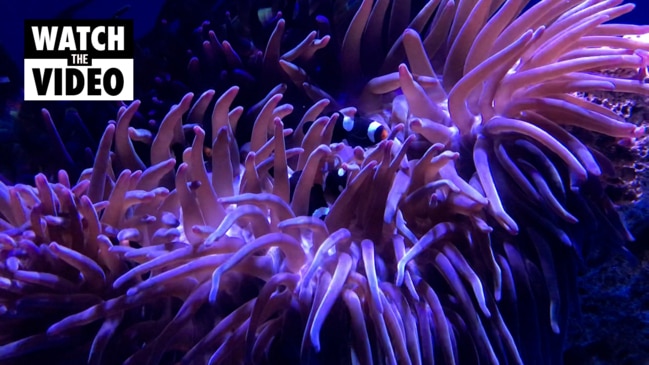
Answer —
404 74
510 226
416 123
53 330
555 327
485 310
498 294
641 131
315 341
40 178
595 171
409 32
198 130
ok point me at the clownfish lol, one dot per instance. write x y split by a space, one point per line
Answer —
321 196
316 196
335 182
356 131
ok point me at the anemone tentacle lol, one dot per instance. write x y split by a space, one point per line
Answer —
452 238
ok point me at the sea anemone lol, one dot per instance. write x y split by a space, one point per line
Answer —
453 236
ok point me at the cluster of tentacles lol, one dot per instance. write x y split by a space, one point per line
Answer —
453 240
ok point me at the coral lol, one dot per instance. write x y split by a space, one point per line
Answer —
275 233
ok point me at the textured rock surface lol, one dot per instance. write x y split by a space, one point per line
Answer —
613 324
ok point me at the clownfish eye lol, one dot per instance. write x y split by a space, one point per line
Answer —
384 134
